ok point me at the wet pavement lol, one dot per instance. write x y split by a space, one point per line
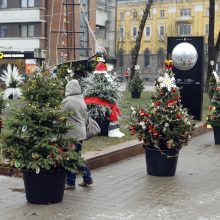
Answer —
123 190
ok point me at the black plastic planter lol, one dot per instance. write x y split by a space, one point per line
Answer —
216 131
46 187
103 124
161 164
135 95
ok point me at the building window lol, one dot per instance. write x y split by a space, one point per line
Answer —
207 12
121 57
134 15
147 56
27 30
161 30
121 33
185 12
161 58
207 29
3 3
27 3
148 31
3 30
185 29
162 13
134 32
121 16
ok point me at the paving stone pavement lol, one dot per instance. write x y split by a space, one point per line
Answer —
123 191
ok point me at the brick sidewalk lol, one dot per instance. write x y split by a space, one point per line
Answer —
124 191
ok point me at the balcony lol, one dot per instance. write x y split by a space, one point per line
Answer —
19 16
16 44
184 19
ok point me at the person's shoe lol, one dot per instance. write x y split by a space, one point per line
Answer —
68 187
84 184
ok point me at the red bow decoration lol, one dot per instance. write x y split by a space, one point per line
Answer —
115 111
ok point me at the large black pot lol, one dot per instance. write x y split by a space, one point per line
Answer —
135 95
216 131
103 124
161 163
46 187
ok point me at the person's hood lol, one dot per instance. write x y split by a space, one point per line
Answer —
72 88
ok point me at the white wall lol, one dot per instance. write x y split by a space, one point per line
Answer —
21 15
15 44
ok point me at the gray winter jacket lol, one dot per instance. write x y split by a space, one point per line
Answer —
74 102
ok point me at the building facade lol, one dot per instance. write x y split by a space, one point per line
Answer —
106 26
56 30
166 18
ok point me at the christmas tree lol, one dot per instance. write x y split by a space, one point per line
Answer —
37 133
137 84
164 124
214 118
101 91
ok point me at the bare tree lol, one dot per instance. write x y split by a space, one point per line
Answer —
213 48
135 51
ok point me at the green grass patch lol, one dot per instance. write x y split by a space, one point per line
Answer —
98 143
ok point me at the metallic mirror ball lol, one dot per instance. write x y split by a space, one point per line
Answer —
184 56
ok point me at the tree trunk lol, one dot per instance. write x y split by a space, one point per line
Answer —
135 51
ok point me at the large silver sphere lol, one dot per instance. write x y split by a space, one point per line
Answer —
184 56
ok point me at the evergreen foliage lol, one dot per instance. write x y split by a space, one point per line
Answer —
214 118
37 133
212 86
165 124
103 86
137 84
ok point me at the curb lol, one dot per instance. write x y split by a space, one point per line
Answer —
125 150
107 156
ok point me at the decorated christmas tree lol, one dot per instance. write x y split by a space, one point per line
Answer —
38 127
101 91
136 84
213 120
164 124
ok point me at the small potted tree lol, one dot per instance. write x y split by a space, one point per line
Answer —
136 84
213 120
164 125
36 143
101 91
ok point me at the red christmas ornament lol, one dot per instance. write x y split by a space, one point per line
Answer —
179 116
217 88
170 103
157 103
173 90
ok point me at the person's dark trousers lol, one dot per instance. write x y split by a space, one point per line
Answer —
71 177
